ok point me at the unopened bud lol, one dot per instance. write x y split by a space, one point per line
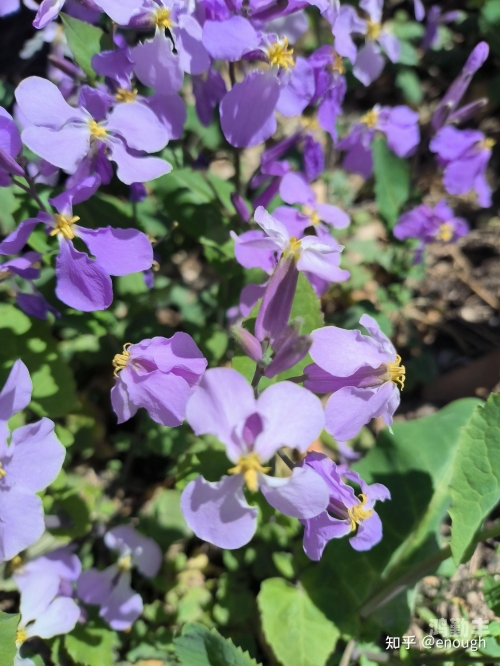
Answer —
248 342
277 301
240 206
9 164
290 348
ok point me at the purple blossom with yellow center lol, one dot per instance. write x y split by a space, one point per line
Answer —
347 512
363 373
28 464
431 225
84 283
252 430
158 374
370 61
464 156
67 137
400 126
111 588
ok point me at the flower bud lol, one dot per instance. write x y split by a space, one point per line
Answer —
9 164
277 301
240 207
248 342
290 348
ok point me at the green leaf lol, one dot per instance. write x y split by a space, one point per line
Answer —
392 181
31 340
199 646
416 464
91 645
475 484
298 632
8 630
491 591
84 41
162 518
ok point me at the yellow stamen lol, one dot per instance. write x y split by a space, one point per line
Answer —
294 249
162 18
155 266
312 214
487 144
357 514
250 466
280 55
370 118
373 29
2 471
310 123
120 360
96 131
338 63
397 372
124 563
445 232
63 226
21 636
123 95
16 563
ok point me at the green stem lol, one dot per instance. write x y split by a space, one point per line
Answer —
416 573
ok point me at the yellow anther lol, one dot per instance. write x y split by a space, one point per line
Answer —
21 636
312 214
357 514
373 29
120 360
280 55
294 249
250 466
370 119
310 123
96 131
124 563
445 232
487 144
15 563
163 18
155 266
2 471
64 226
397 372
123 95
338 63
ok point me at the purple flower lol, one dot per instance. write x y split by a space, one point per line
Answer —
446 111
9 7
67 136
27 266
310 254
61 564
117 66
158 374
110 589
84 283
370 62
28 465
252 430
464 154
363 374
430 225
345 21
294 189
10 148
49 10
346 512
400 126
208 92
43 612
434 19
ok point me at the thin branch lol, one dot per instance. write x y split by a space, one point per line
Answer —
349 649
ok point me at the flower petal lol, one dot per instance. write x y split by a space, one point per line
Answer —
118 251
64 148
139 126
318 531
134 168
123 606
292 415
21 521
302 495
218 512
16 392
369 533
59 618
54 112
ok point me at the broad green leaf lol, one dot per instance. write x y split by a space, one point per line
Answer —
84 41
90 645
475 483
162 519
199 646
392 181
32 341
298 632
416 464
8 630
